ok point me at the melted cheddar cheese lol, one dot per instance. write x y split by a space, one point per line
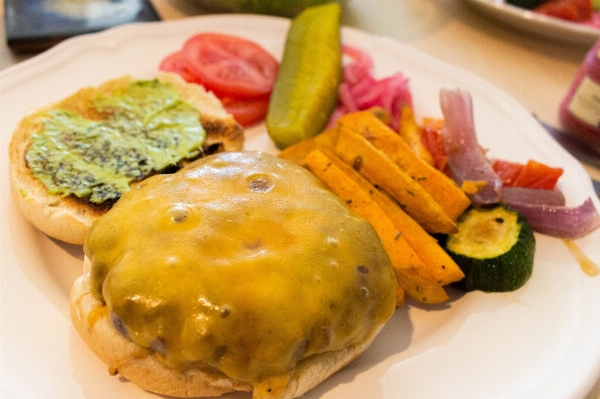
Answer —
241 262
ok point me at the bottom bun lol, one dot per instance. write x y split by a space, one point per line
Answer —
144 367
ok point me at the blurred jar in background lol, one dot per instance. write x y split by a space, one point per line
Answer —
580 109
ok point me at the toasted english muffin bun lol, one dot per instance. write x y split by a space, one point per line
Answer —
143 367
69 218
245 274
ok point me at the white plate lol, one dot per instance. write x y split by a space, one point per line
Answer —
540 341
536 23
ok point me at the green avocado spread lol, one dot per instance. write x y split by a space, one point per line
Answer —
148 127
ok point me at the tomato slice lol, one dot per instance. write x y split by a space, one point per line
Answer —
174 63
246 112
230 66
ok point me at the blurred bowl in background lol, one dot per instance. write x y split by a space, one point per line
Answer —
285 8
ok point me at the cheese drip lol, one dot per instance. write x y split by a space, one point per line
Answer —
242 262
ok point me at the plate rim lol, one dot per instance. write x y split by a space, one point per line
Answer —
539 24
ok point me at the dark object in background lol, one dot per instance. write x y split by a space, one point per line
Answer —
283 8
528 4
36 25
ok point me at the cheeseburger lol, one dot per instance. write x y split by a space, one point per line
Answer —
240 272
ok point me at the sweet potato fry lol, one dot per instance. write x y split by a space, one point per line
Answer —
382 172
443 267
426 247
441 188
409 132
297 153
414 277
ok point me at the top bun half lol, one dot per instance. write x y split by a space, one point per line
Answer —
69 218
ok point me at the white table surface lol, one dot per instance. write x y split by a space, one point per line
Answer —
535 71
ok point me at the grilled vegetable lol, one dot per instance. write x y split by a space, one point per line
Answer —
494 247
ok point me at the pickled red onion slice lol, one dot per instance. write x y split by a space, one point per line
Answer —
361 66
360 90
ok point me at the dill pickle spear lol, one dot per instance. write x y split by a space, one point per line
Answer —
306 90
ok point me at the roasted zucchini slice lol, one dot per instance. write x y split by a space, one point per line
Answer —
494 247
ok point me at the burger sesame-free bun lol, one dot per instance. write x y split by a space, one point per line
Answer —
68 218
241 272
142 366
130 360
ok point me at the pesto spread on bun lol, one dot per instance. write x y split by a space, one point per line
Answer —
71 161
240 272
